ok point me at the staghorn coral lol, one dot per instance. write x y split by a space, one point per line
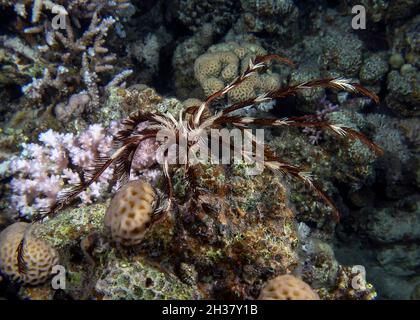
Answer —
63 62
39 257
21 8
287 287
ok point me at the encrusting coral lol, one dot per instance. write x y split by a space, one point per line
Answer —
193 14
278 17
39 257
137 279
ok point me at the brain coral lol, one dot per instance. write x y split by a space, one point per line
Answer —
130 212
287 287
224 62
38 255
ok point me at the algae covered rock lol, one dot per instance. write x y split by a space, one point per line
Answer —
138 280
235 235
67 228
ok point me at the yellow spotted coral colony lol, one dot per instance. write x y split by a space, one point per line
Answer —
130 212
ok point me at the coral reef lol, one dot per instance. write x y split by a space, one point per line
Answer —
70 70
403 82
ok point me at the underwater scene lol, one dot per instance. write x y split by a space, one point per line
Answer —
209 150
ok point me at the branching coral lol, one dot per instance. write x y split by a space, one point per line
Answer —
42 170
63 7
66 60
